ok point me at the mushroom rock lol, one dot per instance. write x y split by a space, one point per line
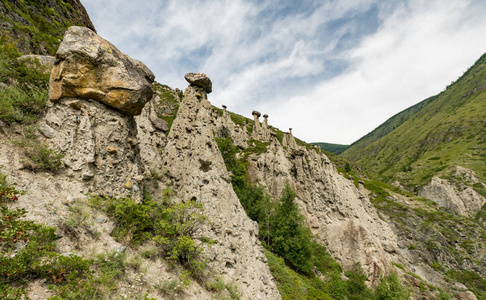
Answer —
87 66
200 80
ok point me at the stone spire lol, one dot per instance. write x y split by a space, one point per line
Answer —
256 128
265 136
288 140
225 112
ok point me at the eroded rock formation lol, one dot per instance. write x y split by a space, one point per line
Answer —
341 215
197 172
95 90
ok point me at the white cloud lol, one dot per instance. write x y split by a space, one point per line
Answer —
418 50
278 63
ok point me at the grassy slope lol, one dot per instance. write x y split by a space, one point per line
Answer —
38 26
430 138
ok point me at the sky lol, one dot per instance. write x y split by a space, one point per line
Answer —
332 70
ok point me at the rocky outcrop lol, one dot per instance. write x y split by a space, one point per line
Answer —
150 138
457 197
200 80
197 172
100 141
90 67
340 214
99 145
225 128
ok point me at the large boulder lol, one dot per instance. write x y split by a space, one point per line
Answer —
200 80
88 66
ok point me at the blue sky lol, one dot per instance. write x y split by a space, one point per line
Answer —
331 70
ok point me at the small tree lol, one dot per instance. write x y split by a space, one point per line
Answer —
178 233
289 236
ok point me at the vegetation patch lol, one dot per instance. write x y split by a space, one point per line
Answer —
332 148
472 280
27 251
25 95
430 138
173 226
37 155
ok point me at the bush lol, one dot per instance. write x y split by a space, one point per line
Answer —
21 105
178 232
41 158
289 237
390 288
26 98
27 250
175 227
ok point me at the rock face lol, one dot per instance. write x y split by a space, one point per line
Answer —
340 215
99 145
463 200
200 80
197 171
90 67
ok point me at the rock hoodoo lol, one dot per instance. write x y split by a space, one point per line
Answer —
96 90
197 171
90 67
200 80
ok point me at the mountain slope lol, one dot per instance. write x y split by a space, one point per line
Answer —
433 137
333 148
37 26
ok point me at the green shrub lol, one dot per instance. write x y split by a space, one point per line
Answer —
9 293
134 221
237 167
218 285
288 235
8 193
21 105
41 158
173 226
472 280
356 286
23 101
390 288
177 233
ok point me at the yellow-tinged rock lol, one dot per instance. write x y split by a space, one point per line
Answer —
111 150
88 66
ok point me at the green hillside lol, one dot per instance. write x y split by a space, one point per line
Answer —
333 148
38 26
432 137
